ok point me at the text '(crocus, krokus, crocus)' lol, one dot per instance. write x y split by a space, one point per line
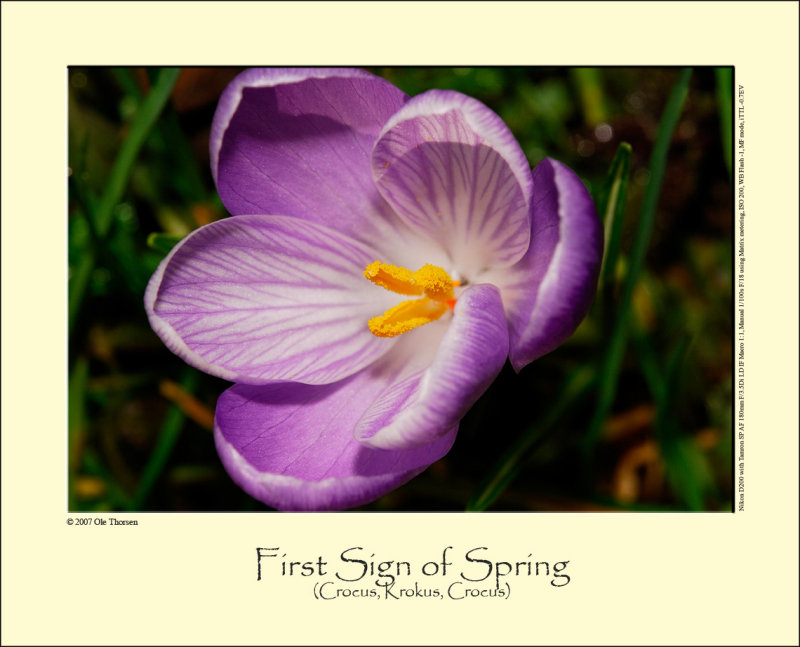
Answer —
386 255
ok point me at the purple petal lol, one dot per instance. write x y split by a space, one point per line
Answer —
292 447
255 299
451 168
426 401
548 293
297 142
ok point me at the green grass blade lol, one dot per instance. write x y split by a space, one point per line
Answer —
687 470
610 201
76 417
188 180
123 76
725 107
162 242
685 465
78 280
147 115
666 394
651 368
576 386
612 362
115 498
170 431
590 89
688 473
186 175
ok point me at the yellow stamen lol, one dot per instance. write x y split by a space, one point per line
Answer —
435 282
406 316
391 277
430 282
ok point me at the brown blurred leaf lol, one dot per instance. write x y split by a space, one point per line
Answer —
198 87
638 471
204 214
629 422
707 438
101 345
643 307
187 403
89 487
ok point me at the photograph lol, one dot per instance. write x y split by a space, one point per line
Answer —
403 323
411 289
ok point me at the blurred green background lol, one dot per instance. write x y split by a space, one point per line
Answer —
632 413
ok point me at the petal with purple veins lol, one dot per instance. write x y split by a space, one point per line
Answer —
255 299
291 445
453 368
451 168
548 293
297 142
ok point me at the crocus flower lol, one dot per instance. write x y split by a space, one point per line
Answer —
386 255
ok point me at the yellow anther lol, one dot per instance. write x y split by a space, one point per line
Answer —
435 282
431 282
406 316
391 277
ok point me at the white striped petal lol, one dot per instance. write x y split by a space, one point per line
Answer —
451 168
297 142
437 376
548 293
256 299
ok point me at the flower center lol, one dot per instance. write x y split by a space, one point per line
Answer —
430 282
